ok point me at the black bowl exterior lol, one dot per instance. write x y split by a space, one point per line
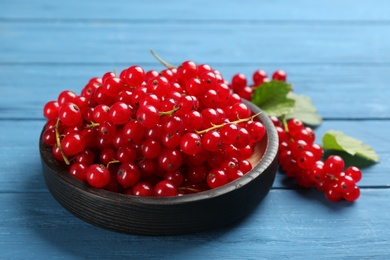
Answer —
169 215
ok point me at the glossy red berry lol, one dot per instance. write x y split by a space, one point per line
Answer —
353 195
217 178
334 165
142 189
79 170
165 188
50 110
239 82
279 75
190 143
70 114
354 172
97 175
120 113
258 77
73 144
170 159
128 174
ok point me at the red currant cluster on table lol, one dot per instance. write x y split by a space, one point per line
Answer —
299 156
173 132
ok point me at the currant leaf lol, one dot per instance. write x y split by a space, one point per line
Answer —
272 98
336 140
304 110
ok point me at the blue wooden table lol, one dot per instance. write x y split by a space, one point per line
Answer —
336 52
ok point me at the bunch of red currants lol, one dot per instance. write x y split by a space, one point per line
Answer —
299 156
156 133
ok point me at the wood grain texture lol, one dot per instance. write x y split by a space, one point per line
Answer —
250 10
336 52
54 42
34 225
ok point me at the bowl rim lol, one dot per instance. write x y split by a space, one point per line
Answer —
265 161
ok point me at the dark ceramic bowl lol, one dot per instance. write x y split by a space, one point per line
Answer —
168 215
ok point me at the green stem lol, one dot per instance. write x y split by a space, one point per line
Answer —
233 122
284 122
111 162
58 141
92 125
163 62
170 112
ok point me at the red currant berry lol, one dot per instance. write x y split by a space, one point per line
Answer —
97 175
67 96
70 114
78 170
197 174
346 184
294 127
49 137
169 159
256 130
190 143
150 149
279 75
306 160
72 144
120 113
239 82
244 166
175 177
352 195
354 172
211 141
258 77
229 133
333 194
86 157
50 110
107 155
128 174
334 165
134 76
217 178
133 131
165 188
142 189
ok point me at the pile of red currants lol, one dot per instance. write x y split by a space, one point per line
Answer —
299 156
168 133
179 131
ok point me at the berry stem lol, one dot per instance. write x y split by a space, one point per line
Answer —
233 122
111 162
189 189
92 125
284 122
58 141
170 112
163 62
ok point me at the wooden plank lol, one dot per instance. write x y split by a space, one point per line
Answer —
21 166
364 88
100 42
301 10
286 225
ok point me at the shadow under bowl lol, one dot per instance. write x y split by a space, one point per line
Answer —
167 215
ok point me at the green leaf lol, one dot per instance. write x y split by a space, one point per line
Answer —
304 110
272 98
336 140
